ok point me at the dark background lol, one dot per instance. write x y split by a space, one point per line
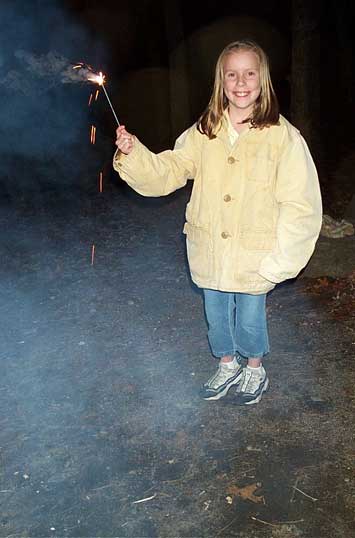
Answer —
159 60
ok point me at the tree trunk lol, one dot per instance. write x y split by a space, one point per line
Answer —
305 87
178 68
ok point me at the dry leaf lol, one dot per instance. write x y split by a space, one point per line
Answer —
247 493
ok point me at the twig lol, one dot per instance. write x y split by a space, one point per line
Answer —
146 499
294 489
276 524
305 494
264 522
110 485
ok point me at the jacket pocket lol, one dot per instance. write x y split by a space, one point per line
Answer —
260 162
199 250
257 240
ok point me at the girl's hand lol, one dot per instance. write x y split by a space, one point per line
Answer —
124 141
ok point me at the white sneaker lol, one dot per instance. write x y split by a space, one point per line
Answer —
220 383
253 384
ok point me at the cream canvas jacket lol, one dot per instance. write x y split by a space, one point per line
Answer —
255 210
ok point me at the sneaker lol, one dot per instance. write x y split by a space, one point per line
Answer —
252 386
220 383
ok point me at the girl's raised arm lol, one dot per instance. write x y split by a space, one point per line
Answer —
157 174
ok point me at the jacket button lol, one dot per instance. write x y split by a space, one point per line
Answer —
224 235
231 160
227 198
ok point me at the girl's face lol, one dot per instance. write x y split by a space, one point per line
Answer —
241 81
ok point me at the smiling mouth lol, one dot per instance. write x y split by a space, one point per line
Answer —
241 94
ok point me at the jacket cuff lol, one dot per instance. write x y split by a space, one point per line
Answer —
120 159
117 159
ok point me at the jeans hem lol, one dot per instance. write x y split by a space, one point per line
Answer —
247 355
221 354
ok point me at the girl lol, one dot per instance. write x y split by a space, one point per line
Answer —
254 214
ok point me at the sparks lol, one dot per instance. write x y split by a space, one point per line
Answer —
90 99
86 72
100 182
93 134
92 254
97 94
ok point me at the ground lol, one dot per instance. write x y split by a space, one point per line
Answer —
103 432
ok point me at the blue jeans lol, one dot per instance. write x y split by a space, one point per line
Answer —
236 323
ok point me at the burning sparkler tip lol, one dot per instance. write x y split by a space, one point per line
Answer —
87 73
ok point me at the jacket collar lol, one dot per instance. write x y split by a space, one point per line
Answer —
222 133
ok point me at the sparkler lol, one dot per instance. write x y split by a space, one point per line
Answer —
108 99
87 73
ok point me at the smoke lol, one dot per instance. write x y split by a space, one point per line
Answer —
45 117
37 74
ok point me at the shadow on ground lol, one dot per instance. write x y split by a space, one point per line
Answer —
102 430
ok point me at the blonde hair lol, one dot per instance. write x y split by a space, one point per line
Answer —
266 108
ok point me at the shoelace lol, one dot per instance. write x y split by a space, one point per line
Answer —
222 374
250 382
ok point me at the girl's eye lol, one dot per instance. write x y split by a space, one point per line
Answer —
251 73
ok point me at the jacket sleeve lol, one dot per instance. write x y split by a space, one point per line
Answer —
300 213
159 174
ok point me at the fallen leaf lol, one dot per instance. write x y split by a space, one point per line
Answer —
246 493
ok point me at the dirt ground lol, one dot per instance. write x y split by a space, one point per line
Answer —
103 432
